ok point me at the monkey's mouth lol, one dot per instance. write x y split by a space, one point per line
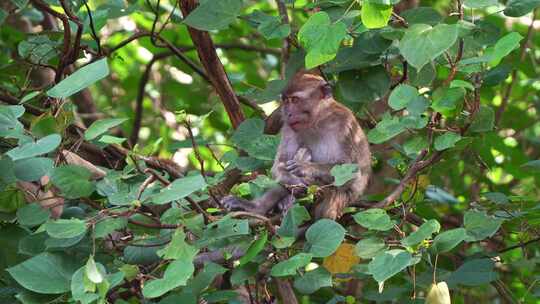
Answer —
296 125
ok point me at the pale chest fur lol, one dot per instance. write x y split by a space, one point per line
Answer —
324 149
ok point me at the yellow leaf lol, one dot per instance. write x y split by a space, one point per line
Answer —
438 294
423 181
342 260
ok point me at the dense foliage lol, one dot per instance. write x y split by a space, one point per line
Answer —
123 122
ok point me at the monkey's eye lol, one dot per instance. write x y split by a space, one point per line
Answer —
294 99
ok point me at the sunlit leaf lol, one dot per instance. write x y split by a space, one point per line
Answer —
81 79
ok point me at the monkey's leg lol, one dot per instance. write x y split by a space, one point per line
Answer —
332 203
260 205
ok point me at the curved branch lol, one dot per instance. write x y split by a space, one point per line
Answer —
214 68
134 137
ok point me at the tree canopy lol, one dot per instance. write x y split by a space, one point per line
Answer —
124 122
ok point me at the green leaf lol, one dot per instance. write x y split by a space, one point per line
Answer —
10 200
461 84
3 15
109 225
313 280
374 219
29 96
446 141
64 229
31 149
479 225
179 189
371 42
447 100
91 271
343 173
290 266
370 247
107 139
518 8
177 274
423 43
496 197
45 273
503 47
415 145
38 49
363 86
270 27
32 215
254 249
20 3
389 263
8 117
73 181
375 15
533 165
401 96
296 216
474 273
214 14
413 121
425 15
424 232
321 38
476 4
483 120
270 93
78 290
101 126
81 79
223 229
385 130
324 237
447 240
32 169
178 248
250 137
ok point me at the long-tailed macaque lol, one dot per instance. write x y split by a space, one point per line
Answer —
318 133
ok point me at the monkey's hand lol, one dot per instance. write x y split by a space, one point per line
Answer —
310 173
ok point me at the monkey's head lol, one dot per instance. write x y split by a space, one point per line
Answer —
303 99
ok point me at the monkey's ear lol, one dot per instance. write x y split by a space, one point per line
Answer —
326 90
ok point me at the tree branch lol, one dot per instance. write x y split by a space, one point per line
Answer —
417 166
214 68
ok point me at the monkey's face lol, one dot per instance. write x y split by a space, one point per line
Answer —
297 112
302 106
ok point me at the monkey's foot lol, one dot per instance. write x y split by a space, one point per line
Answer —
233 203
285 203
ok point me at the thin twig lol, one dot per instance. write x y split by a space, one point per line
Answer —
195 147
153 226
522 52
137 120
92 27
521 245
286 47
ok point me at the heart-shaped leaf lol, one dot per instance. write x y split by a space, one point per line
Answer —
423 43
321 38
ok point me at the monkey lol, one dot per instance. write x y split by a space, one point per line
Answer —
318 133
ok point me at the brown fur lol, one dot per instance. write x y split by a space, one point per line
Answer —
327 134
